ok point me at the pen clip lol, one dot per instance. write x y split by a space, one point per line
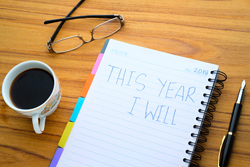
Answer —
221 148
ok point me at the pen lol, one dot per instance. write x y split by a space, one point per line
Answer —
227 141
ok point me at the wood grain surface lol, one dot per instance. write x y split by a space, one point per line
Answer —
214 31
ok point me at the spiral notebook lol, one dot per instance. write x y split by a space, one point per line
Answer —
141 107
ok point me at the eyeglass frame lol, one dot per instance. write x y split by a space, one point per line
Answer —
51 40
113 17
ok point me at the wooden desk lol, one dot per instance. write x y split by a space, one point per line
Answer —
215 31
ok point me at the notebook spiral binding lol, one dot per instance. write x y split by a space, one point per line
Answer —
221 77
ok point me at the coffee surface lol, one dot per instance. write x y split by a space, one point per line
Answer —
31 88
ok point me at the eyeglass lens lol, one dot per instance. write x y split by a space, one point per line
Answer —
107 28
67 44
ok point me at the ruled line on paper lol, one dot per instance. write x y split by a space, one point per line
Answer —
120 118
124 114
126 149
110 158
105 143
182 144
75 160
101 162
184 109
139 132
194 105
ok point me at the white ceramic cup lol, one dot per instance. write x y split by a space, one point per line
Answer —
39 112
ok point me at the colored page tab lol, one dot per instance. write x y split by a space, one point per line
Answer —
97 63
56 157
105 46
77 109
65 134
87 85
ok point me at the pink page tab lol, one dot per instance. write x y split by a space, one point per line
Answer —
97 63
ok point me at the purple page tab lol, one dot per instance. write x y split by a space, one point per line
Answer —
56 157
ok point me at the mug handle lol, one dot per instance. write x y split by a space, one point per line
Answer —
38 128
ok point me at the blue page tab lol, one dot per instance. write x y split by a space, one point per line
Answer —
77 109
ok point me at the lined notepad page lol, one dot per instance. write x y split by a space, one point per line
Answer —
139 111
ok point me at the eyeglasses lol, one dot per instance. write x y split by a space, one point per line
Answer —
103 30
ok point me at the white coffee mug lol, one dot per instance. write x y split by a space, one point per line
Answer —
41 111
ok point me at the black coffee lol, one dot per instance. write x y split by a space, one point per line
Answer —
31 88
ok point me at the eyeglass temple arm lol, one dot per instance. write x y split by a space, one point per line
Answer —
61 24
86 16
